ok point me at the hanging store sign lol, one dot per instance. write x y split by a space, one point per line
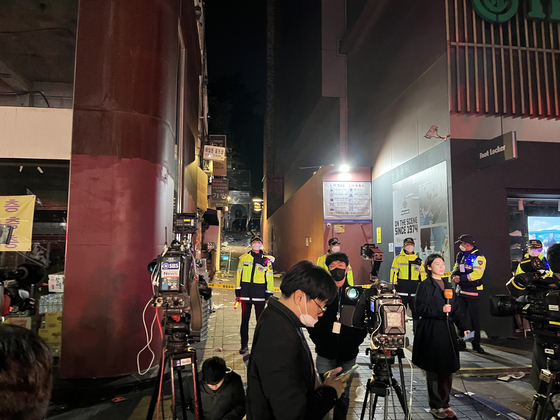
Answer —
220 190
17 211
214 153
347 200
202 189
500 11
220 168
497 150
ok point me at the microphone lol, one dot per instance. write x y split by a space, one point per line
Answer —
448 294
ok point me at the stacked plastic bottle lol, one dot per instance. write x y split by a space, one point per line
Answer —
51 303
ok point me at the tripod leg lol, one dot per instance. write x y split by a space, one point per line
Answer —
372 405
364 405
402 396
157 385
183 403
386 413
173 400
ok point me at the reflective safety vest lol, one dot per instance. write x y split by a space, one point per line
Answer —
470 267
255 277
407 271
527 257
322 262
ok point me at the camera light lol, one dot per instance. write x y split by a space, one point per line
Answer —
344 168
352 293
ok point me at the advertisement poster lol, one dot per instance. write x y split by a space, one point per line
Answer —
546 229
420 211
17 211
347 200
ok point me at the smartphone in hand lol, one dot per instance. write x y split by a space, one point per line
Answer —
469 337
348 372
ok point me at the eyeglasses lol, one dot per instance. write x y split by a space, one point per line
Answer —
322 308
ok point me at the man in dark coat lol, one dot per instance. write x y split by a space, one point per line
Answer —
281 380
337 345
222 395
435 342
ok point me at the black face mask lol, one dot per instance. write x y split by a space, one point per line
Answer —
338 274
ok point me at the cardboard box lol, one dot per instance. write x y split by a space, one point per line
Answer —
53 317
21 321
51 336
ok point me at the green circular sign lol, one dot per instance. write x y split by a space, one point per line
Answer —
495 11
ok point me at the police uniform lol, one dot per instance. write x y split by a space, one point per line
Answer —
407 271
255 284
469 267
533 244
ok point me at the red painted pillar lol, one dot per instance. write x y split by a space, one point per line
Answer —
121 185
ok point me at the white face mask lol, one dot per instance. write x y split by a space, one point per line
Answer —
305 318
462 248
409 249
335 248
534 252
256 246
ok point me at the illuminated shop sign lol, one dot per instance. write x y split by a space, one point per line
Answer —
500 11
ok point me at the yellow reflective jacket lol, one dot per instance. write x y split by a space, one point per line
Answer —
407 267
322 262
255 277
469 266
527 257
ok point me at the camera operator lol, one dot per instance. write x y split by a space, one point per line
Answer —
334 246
435 347
337 345
539 355
467 273
407 272
281 380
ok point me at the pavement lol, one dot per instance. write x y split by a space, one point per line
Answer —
477 393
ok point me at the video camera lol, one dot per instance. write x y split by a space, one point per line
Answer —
379 310
176 287
535 296
373 253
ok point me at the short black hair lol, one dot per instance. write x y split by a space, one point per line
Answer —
26 374
312 280
337 256
430 260
214 370
553 257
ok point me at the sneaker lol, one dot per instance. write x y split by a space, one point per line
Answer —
243 349
438 413
478 349
450 413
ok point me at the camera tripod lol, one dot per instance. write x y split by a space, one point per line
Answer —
179 356
547 398
382 380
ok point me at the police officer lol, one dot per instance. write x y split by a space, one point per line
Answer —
255 284
407 271
467 273
534 249
334 246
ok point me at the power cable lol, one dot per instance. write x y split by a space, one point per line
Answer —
25 92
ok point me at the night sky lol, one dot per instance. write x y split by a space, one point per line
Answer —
236 50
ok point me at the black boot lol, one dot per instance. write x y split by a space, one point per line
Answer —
476 347
462 345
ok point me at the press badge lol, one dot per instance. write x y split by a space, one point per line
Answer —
462 268
336 327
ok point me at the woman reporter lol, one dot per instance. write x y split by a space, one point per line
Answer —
436 348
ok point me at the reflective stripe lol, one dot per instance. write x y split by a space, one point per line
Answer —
238 287
405 264
403 294
239 268
469 293
394 268
244 298
258 299
411 295
478 268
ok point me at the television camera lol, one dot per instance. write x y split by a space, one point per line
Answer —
535 295
14 284
378 309
177 295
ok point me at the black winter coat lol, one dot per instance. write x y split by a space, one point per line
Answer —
342 347
435 341
281 377
227 403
